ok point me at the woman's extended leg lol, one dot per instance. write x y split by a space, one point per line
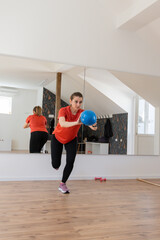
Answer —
34 143
43 139
71 150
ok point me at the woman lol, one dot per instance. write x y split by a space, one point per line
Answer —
66 133
39 133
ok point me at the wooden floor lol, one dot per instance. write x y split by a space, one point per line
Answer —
111 210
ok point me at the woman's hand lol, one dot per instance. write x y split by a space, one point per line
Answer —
79 121
94 127
26 125
64 123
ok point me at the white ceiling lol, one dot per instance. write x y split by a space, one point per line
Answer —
28 73
32 74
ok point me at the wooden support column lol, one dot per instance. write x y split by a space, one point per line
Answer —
58 96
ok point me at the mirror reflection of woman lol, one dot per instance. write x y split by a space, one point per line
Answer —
66 133
39 134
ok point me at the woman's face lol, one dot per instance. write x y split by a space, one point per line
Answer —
76 103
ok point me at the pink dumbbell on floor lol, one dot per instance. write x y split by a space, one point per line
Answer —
97 178
102 179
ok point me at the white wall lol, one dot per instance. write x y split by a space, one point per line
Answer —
38 167
81 32
157 133
11 126
145 144
39 96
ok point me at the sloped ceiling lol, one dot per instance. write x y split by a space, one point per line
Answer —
93 99
146 86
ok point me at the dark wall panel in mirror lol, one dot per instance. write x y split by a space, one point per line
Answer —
110 130
118 143
48 106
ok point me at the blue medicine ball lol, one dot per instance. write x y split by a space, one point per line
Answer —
88 117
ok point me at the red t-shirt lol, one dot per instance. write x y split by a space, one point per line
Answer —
37 123
67 134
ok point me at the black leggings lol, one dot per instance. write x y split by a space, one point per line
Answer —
56 153
37 141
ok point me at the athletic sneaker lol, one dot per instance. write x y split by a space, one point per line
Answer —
63 188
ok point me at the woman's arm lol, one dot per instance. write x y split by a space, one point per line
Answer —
26 125
64 123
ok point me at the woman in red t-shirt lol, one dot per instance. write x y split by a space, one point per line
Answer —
66 133
39 133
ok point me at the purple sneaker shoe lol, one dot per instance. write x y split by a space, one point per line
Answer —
63 188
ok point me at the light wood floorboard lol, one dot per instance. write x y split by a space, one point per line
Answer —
111 210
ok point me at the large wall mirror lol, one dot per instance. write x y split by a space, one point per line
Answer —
126 105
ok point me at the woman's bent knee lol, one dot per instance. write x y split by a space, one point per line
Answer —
55 165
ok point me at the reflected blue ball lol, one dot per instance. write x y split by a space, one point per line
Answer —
88 117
